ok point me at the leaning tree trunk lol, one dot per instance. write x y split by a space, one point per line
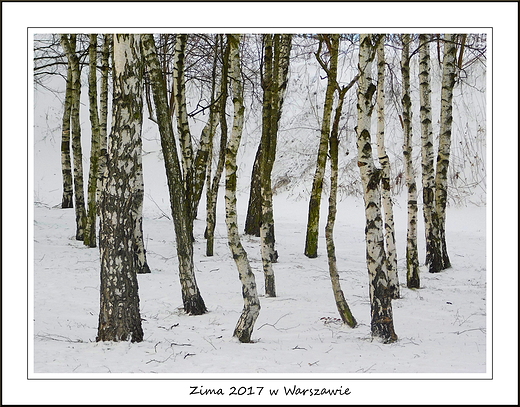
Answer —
79 197
412 256
339 297
202 162
202 157
382 325
182 221
313 220
443 157
245 324
433 254
66 167
95 150
193 165
119 316
384 161
212 191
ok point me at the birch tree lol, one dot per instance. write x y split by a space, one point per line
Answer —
245 324
95 148
268 152
182 219
69 45
103 108
277 49
412 256
443 156
382 325
119 316
66 166
213 180
313 220
194 165
341 303
433 254
275 72
139 248
179 92
254 206
384 161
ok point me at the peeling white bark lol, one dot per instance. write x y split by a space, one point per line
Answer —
244 327
380 297
182 221
443 157
412 257
433 258
384 161
119 316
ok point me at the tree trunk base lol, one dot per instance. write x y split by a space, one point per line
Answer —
384 330
195 305
413 282
245 324
346 313
113 334
311 255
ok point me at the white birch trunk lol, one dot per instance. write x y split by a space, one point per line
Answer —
103 109
66 165
412 257
182 221
433 257
380 296
119 316
443 157
95 151
79 195
213 182
140 250
384 161
245 324
179 91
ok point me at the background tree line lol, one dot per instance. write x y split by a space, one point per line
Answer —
370 82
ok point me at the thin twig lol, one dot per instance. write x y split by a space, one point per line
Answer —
179 344
159 361
209 343
483 330
273 325
56 338
158 207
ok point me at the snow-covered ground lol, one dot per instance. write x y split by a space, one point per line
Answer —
442 327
